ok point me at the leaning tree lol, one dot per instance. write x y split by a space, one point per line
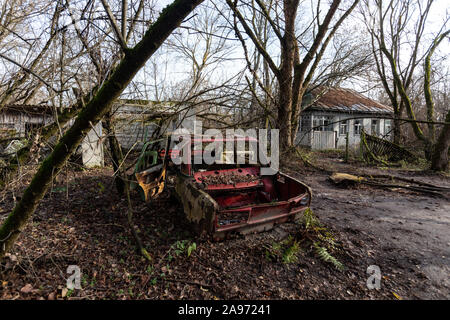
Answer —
132 61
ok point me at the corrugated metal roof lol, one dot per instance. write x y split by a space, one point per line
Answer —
345 100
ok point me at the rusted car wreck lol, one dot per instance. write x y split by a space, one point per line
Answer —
222 199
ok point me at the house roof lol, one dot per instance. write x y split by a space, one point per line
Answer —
27 108
344 100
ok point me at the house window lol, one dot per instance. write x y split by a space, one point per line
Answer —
305 123
322 123
387 127
343 127
375 127
357 127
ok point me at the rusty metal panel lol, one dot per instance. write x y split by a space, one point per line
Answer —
152 181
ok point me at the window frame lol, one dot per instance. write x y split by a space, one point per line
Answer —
387 132
377 127
345 124
305 123
322 121
357 123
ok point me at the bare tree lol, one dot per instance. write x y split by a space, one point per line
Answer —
389 23
295 71
23 50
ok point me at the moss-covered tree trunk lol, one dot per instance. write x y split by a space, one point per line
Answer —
42 135
95 109
439 156
439 159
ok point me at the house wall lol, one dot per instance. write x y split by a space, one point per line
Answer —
13 123
307 138
132 126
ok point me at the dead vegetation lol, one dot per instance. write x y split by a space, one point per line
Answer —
228 179
79 219
324 255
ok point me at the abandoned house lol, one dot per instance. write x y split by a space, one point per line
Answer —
323 123
17 120
134 121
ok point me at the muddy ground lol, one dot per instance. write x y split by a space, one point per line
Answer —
83 222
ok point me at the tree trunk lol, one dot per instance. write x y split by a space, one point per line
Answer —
302 78
397 130
286 69
135 58
116 153
439 160
427 86
284 111
437 151
23 155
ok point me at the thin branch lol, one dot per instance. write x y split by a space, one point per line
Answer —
254 39
115 26
32 73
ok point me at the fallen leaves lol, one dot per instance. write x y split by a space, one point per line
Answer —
83 231
396 296
27 288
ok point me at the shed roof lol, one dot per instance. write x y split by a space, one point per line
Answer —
345 100
39 109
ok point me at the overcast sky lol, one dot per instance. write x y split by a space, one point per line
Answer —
176 69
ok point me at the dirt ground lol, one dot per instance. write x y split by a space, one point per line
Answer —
405 233
83 222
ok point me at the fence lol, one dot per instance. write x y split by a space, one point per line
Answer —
321 140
